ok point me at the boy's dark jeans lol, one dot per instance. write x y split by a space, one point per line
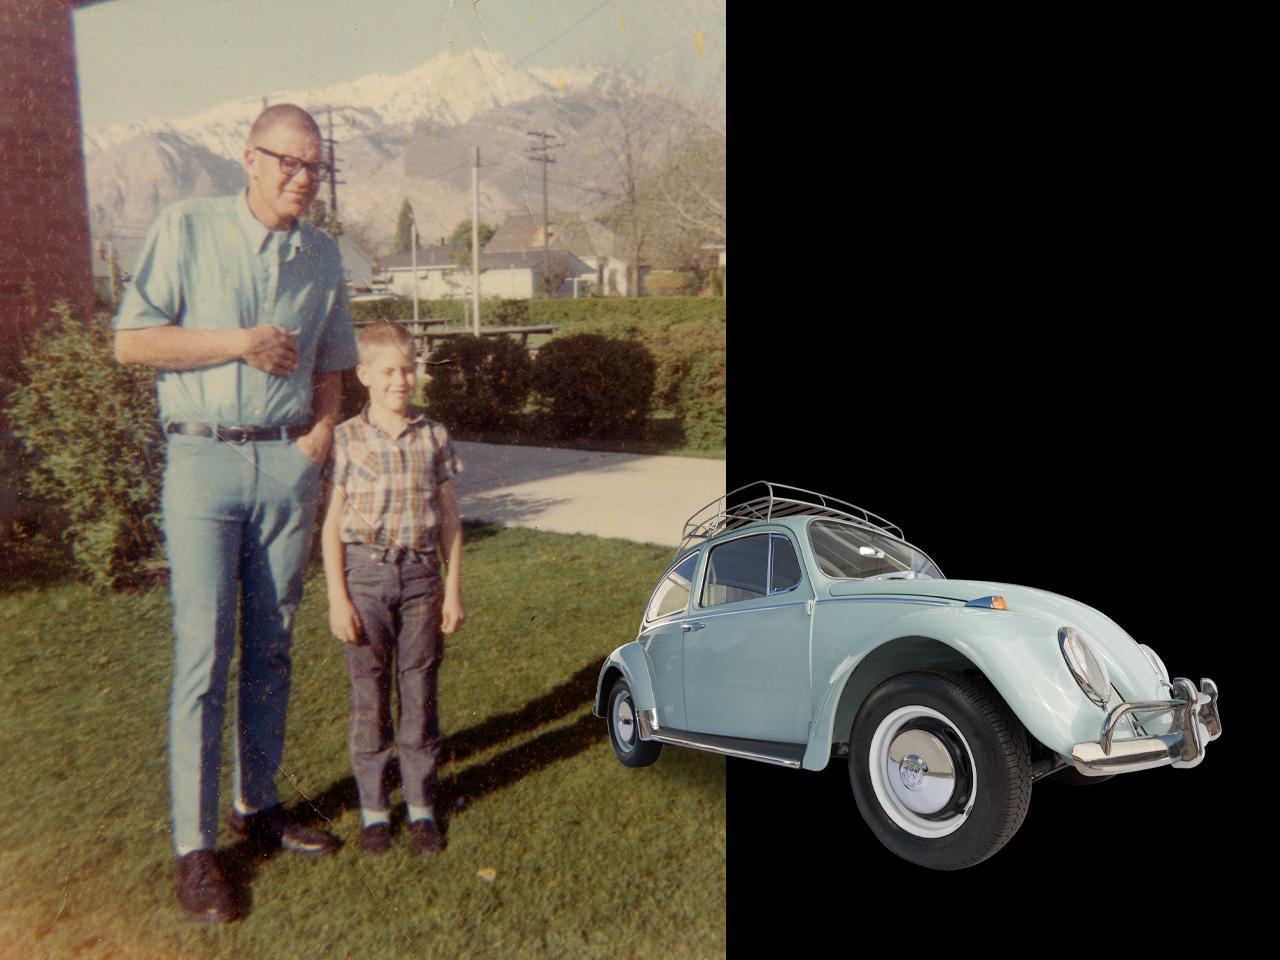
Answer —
399 608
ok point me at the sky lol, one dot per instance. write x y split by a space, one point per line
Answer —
145 59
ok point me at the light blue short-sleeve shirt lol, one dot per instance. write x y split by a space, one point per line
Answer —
209 264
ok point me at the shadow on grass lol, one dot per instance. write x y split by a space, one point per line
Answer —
457 791
26 569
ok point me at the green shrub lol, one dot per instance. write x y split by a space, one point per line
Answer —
700 401
478 383
88 426
675 330
671 283
594 386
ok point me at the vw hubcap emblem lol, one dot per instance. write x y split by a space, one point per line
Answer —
912 770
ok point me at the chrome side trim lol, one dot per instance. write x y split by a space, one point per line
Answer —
920 600
780 754
648 722
1196 720
729 613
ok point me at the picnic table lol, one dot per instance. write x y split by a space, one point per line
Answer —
418 329
523 332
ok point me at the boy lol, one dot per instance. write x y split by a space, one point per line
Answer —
391 511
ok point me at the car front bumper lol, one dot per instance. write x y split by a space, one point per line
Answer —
1195 723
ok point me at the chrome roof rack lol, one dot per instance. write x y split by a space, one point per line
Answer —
771 501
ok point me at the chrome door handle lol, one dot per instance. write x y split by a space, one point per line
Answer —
690 627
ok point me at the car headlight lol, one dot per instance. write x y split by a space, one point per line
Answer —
1085 665
1156 662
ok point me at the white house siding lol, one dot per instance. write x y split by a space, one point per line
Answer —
515 284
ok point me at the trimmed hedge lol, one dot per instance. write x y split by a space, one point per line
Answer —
494 311
678 332
88 426
685 335
594 386
700 398
478 383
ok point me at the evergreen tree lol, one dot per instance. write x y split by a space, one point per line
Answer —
404 239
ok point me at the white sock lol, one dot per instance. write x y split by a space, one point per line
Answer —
244 809
369 817
183 850
421 813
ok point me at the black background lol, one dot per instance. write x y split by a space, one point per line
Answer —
997 290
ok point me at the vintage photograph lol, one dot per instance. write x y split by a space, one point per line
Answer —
361 368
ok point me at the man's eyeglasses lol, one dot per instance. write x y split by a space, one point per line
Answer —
291 165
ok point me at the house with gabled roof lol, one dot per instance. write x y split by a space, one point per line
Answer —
591 242
511 275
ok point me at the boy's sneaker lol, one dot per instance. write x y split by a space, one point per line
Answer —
375 838
203 892
425 837
270 828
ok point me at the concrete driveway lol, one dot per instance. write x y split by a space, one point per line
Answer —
625 495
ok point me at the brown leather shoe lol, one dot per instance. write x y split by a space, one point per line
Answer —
425 837
203 893
375 838
270 828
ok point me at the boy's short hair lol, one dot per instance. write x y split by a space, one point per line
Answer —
384 334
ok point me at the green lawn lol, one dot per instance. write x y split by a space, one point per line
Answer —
587 858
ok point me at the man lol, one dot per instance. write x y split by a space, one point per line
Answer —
243 310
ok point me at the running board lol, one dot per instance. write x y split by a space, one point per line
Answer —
766 751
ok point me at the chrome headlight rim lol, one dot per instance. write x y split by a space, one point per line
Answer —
1086 666
1156 663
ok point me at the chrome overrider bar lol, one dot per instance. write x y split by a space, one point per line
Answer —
1195 723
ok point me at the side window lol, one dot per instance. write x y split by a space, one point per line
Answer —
737 570
785 565
672 595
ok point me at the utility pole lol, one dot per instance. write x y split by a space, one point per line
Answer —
540 153
475 242
413 247
333 173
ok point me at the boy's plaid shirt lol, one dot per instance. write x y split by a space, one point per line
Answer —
388 485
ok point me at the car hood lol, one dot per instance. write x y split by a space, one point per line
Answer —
1130 671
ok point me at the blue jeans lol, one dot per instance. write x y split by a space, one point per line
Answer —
238 520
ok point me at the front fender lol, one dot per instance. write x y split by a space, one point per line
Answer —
1018 655
632 662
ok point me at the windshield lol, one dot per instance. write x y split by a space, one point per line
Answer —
848 552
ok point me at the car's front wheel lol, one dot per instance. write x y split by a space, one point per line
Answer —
624 729
940 768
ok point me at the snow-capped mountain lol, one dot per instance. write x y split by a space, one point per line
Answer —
409 135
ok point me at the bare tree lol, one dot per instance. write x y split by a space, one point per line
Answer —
632 141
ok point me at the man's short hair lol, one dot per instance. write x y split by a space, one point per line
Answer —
282 113
384 334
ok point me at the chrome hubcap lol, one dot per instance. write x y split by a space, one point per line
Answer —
624 721
922 772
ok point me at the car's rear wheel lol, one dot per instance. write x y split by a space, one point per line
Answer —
940 768
624 729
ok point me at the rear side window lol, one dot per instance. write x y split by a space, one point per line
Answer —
737 570
672 595
785 567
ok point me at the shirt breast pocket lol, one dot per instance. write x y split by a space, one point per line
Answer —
367 468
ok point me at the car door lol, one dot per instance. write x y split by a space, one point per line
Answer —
746 651
662 637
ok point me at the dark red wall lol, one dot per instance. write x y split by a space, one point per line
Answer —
44 223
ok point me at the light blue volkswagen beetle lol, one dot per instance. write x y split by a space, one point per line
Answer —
792 627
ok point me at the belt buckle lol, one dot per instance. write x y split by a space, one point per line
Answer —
239 435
